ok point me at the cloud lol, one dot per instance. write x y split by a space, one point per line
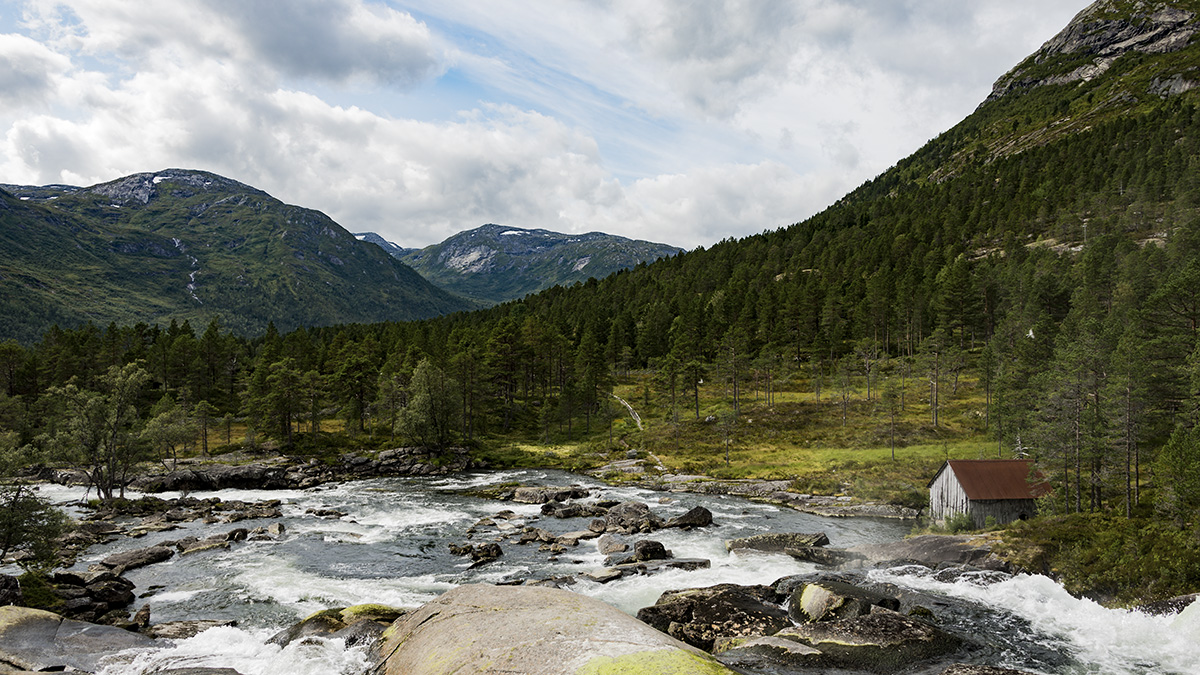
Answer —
334 40
28 71
674 121
339 41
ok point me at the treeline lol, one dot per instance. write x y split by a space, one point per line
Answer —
1065 280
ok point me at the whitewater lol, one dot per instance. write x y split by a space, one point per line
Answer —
391 547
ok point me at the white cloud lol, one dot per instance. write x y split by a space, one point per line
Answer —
28 71
330 40
720 119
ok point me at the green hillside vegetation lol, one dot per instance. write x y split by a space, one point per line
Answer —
496 263
186 245
1033 293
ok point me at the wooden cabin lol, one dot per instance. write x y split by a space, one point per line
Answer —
1005 489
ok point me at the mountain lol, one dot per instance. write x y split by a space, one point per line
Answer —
394 250
190 245
497 263
1116 59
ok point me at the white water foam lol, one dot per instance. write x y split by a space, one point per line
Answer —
1108 641
245 651
274 579
632 593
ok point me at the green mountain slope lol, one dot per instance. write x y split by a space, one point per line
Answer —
495 263
192 245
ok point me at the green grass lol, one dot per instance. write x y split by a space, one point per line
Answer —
795 438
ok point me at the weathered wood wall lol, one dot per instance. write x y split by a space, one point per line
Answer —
947 497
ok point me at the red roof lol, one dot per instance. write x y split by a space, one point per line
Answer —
989 479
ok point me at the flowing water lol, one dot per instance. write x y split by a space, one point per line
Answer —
391 547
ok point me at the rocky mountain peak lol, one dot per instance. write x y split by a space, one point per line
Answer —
142 187
1105 31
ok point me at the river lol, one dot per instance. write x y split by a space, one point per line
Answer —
391 547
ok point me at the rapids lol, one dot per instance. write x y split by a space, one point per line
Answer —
391 547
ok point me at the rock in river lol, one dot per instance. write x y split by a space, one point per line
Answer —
881 642
33 639
699 616
478 629
832 600
777 542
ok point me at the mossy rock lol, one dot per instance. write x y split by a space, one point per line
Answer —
371 612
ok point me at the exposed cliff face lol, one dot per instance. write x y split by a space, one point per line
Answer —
1101 34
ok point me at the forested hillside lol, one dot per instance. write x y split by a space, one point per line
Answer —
1035 270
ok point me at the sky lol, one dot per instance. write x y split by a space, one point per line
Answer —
678 121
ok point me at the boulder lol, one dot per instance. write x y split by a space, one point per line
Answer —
33 639
609 544
882 641
136 558
632 517
833 600
358 624
685 564
826 557
10 591
701 616
1170 606
648 549
542 495
777 542
697 517
181 630
932 550
767 654
480 554
479 629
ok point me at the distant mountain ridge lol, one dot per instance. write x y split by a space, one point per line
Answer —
393 249
497 263
191 245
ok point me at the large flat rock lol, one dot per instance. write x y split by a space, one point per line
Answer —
36 640
531 630
931 550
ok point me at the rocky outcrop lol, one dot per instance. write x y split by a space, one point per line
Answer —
216 477
129 560
834 600
10 591
777 542
701 616
480 554
696 517
357 625
1095 39
882 642
36 640
306 474
97 595
932 550
1169 606
544 495
632 517
480 629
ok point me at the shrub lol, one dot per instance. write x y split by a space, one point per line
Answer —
959 522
